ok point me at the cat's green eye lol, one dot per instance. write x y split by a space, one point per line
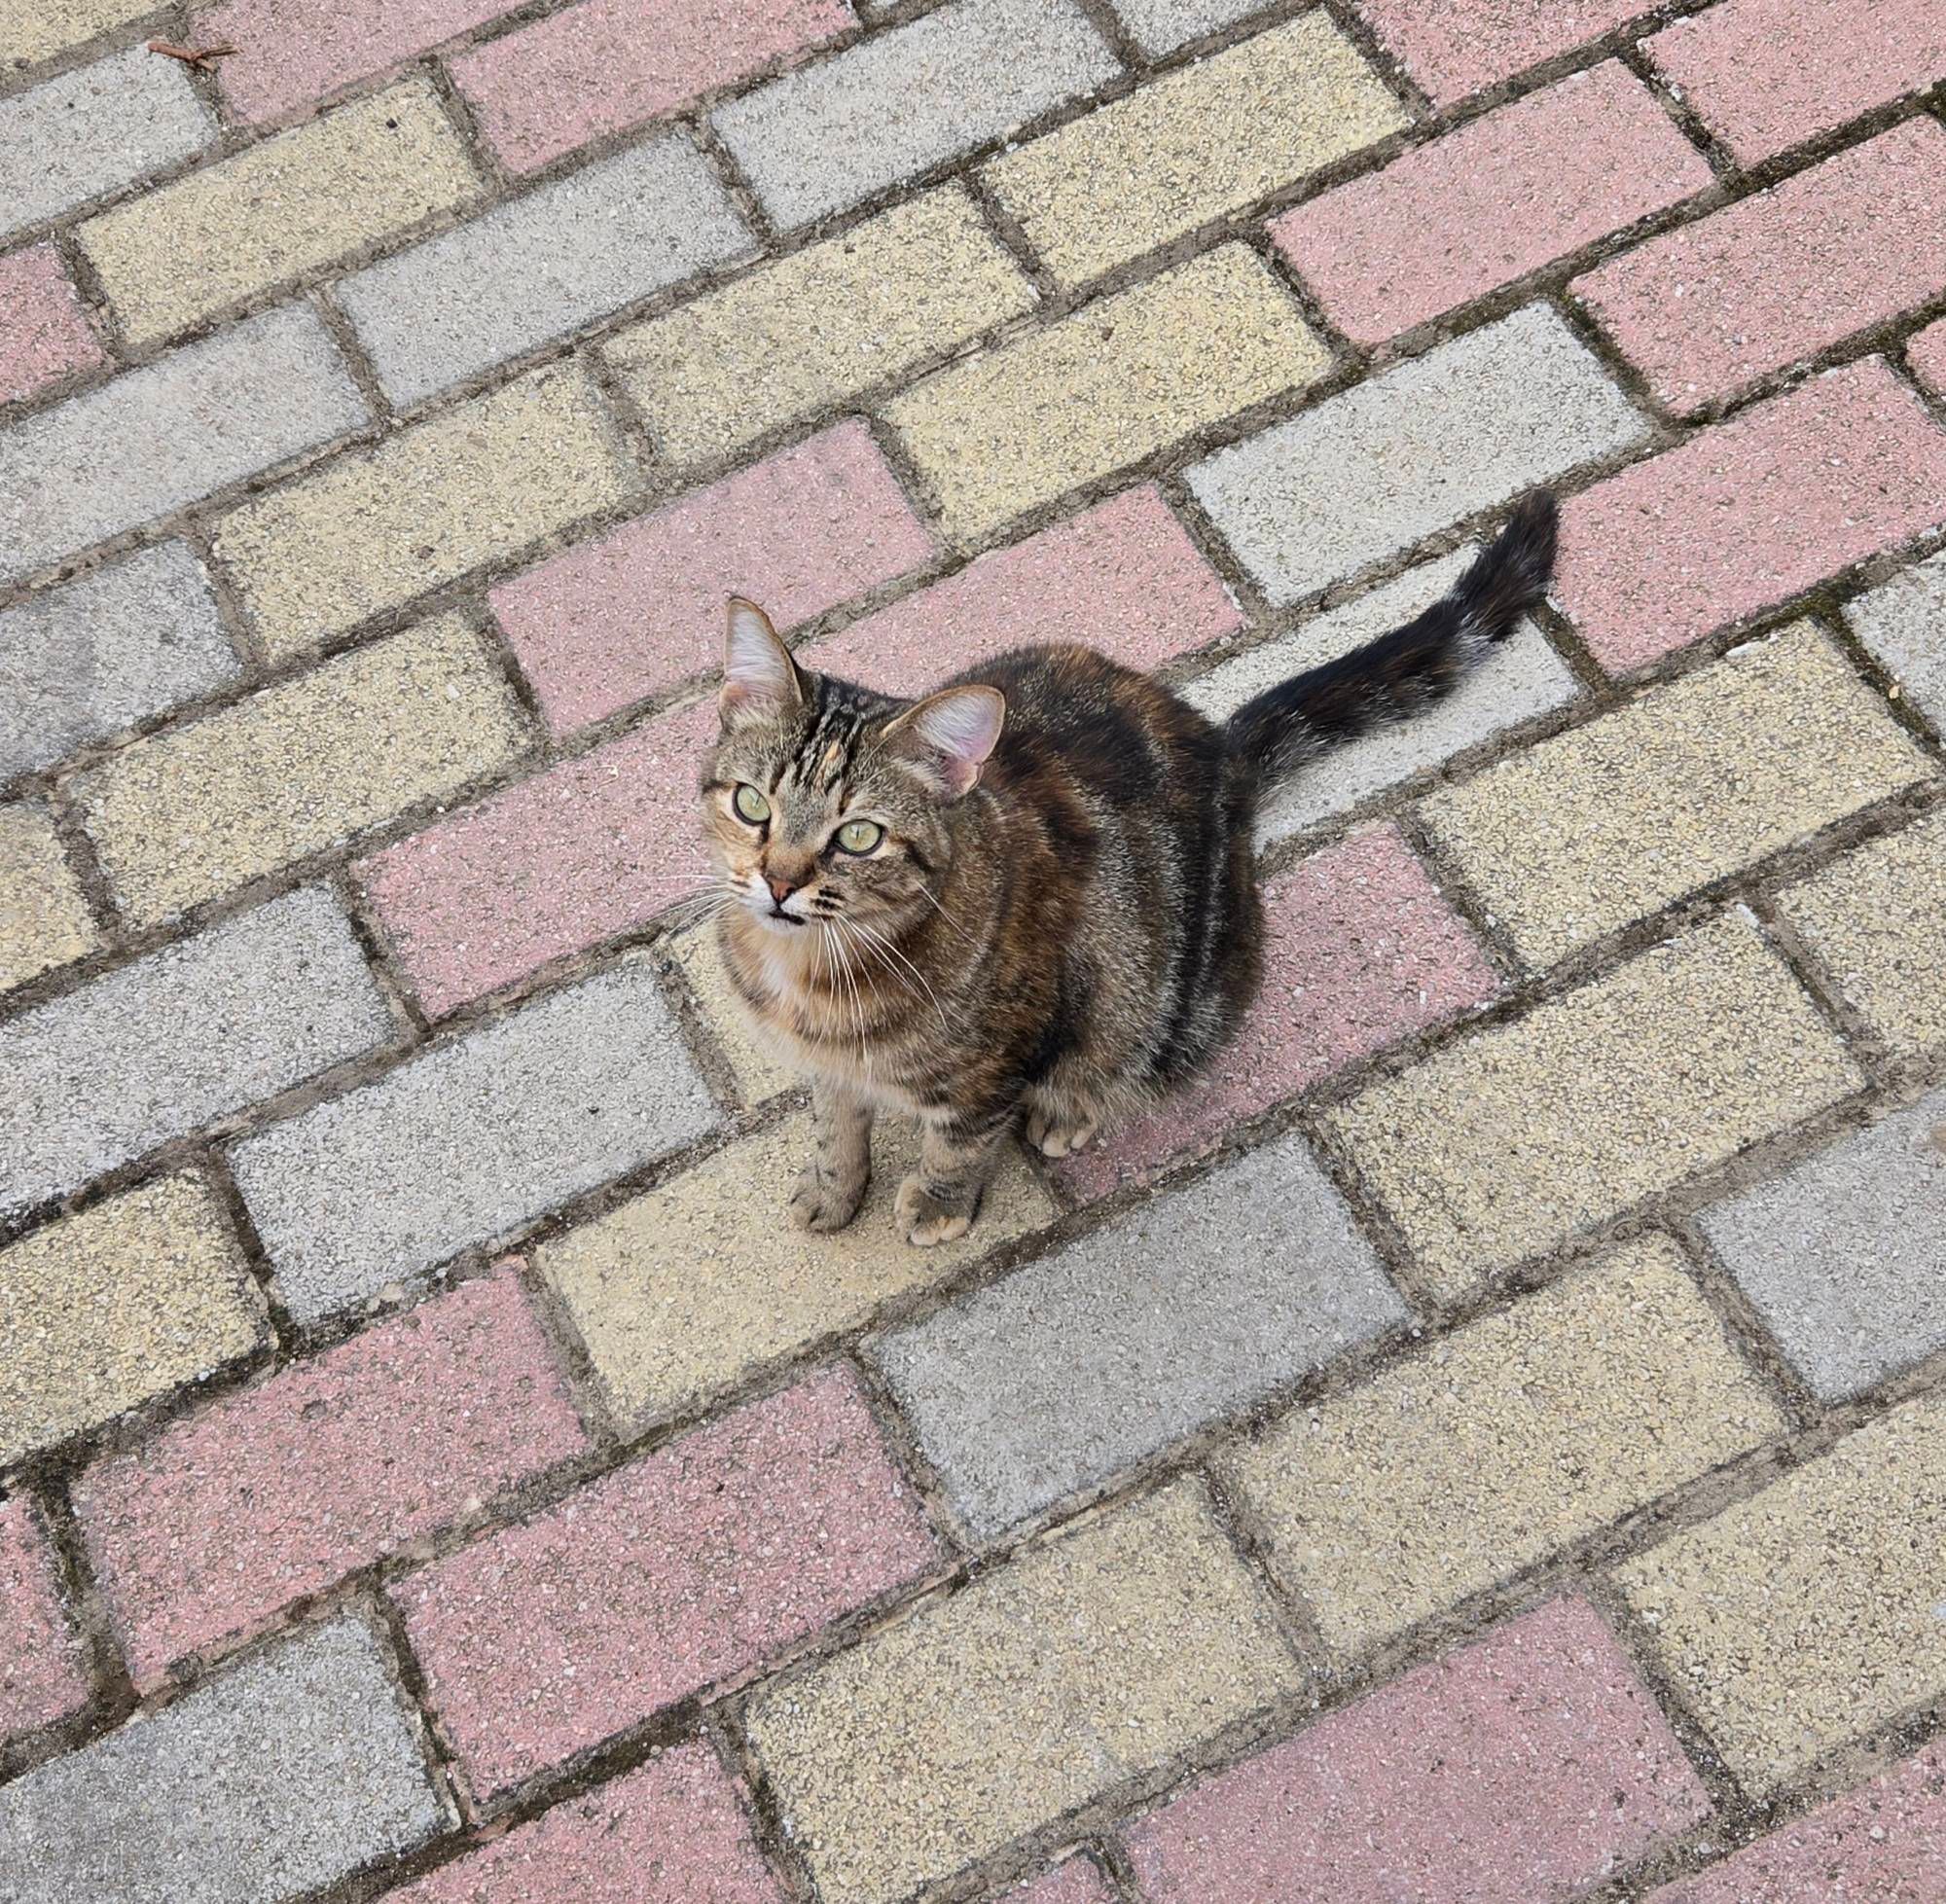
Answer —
860 836
750 806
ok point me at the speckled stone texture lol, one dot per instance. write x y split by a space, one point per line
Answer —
185 1036
1360 950
719 1551
149 441
1522 1433
1452 48
43 1671
45 921
471 1140
94 129
682 1291
634 612
45 335
1466 427
279 1777
1127 1640
674 1831
1529 1765
1191 1306
833 134
1189 148
552 261
1707 310
1509 1142
1577 836
1784 493
270 1495
1842 1254
1900 623
1486 205
1802 1617
112 647
124 1302
1874 919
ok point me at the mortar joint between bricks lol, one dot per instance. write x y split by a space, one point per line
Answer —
908 1456
736 1752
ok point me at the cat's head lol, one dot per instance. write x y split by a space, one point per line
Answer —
826 802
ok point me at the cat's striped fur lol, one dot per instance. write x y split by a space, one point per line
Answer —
1056 920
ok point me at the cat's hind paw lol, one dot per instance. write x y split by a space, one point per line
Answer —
924 1220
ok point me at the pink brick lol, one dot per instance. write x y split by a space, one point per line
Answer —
1123 576
1455 47
1361 949
44 332
1707 310
671 1832
1749 512
605 64
1518 1769
1883 1844
1926 354
1764 75
292 51
590 848
601 845
673 1575
205 1531
1486 205
637 611
41 1677
1075 1880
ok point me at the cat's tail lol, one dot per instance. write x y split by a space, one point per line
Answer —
1403 673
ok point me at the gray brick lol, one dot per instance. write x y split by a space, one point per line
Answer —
166 434
1189 1307
71 138
109 649
471 1140
278 1777
172 1041
544 265
1524 678
1465 427
1904 623
1846 1255
1162 25
831 134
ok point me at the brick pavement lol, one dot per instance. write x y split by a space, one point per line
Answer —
1484 1444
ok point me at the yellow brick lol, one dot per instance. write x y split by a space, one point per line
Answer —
759 1076
1578 835
189 814
1503 1443
44 916
295 203
1809 1615
820 327
111 1308
1878 920
1188 148
371 530
679 1292
1114 383
36 30
1512 1141
1081 1663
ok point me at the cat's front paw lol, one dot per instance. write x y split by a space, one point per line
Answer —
819 1204
926 1220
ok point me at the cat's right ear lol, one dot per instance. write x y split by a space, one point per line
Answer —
761 682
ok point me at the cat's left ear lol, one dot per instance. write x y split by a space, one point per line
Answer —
949 736
761 681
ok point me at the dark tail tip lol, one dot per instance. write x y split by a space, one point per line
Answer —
1512 574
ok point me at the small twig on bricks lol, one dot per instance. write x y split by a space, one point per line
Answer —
198 57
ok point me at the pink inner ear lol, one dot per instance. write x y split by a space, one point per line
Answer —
758 674
959 728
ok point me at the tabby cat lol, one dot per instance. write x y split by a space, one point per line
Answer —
1027 896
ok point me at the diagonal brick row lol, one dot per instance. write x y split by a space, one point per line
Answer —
1483 1443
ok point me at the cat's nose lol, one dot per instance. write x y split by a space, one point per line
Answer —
780 889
